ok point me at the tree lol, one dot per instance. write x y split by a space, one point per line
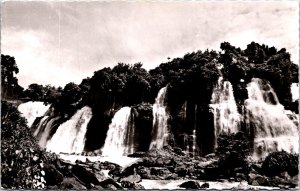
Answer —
35 92
9 83
71 93
51 94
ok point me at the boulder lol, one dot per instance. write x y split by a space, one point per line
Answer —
240 176
172 176
100 176
199 173
84 175
190 185
285 175
178 151
132 179
258 180
282 182
110 184
71 184
141 170
211 172
163 161
137 154
160 172
181 171
52 175
205 185
138 187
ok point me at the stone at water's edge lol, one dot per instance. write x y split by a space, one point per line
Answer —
131 182
174 184
190 185
52 175
69 184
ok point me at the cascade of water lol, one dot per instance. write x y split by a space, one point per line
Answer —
160 121
267 121
226 116
45 134
194 132
115 140
130 136
40 125
31 110
295 91
186 143
70 136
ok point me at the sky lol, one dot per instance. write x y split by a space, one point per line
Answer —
57 42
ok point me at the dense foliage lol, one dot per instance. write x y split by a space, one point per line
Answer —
22 161
278 162
233 151
10 88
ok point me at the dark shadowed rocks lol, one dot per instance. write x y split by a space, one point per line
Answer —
110 184
190 185
52 175
205 185
70 184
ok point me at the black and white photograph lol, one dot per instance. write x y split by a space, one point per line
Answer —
135 95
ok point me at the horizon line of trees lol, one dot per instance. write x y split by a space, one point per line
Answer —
126 84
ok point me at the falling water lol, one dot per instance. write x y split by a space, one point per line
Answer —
267 121
115 140
186 143
295 91
70 136
194 133
130 136
31 110
44 137
160 121
40 125
194 142
226 116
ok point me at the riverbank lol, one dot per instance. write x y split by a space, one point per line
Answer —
166 168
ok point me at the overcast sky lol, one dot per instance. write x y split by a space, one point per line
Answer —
60 42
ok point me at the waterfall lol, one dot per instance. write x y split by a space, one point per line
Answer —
44 137
40 125
267 121
186 143
70 136
160 121
226 116
32 109
295 91
115 143
194 142
130 136
194 133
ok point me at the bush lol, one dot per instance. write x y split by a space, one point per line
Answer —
278 162
232 151
22 161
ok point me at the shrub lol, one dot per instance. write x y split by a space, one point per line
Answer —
278 162
232 151
22 160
